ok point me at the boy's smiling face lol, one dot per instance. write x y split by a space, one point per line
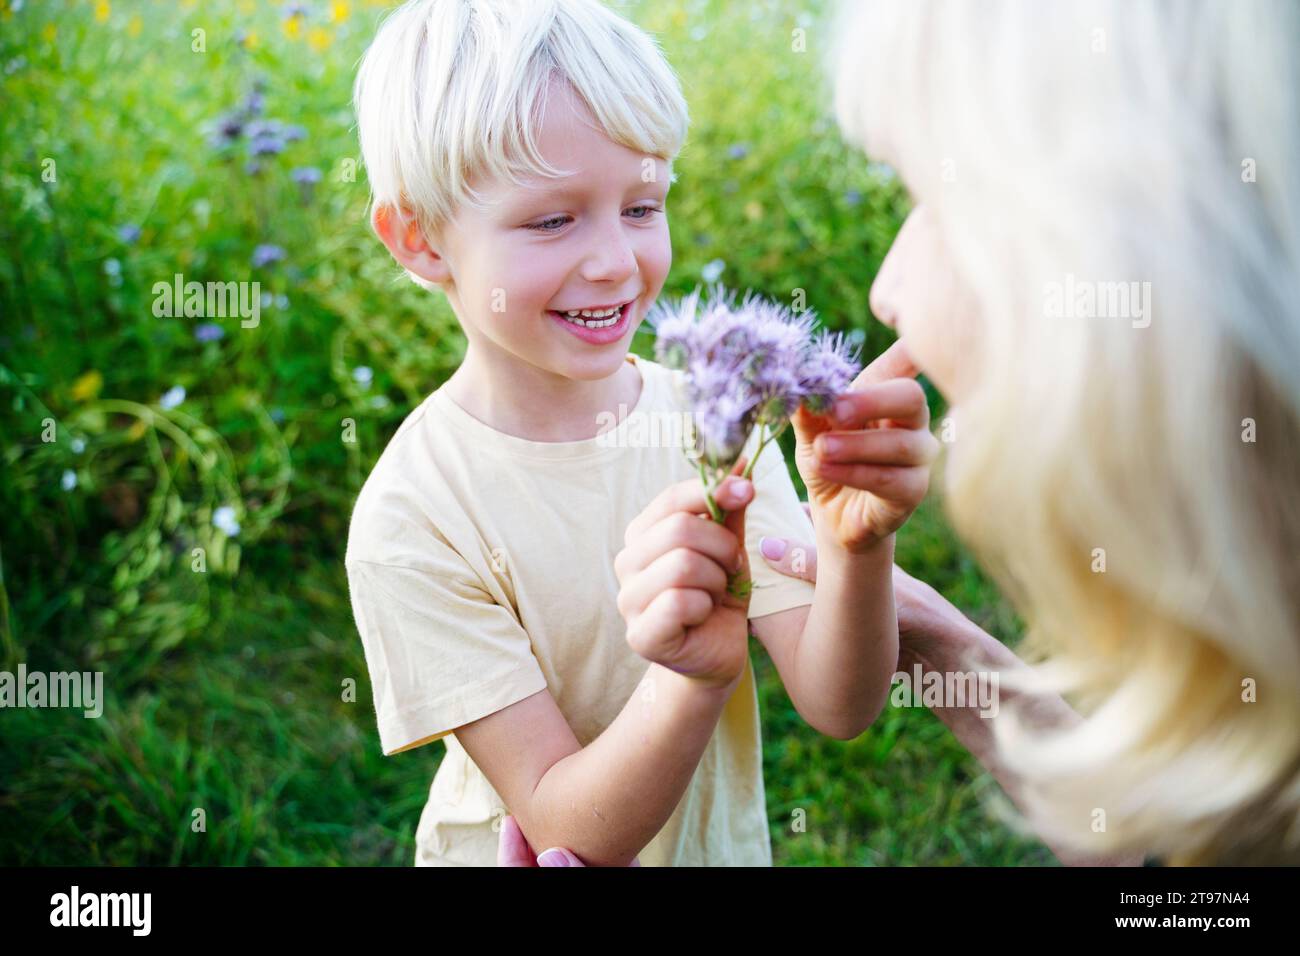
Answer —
596 237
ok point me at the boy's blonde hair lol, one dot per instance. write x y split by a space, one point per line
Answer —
453 90
1135 486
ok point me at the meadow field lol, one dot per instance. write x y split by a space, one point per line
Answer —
141 142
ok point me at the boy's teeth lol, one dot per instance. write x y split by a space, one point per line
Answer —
592 313
598 319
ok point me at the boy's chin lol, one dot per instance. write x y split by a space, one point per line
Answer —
593 368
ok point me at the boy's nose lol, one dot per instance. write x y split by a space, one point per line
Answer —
610 259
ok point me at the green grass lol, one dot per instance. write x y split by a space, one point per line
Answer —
225 689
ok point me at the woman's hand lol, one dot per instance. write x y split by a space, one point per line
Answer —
866 463
513 850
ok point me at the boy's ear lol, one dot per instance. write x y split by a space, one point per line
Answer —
400 232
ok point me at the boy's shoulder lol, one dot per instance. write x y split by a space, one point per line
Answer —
396 498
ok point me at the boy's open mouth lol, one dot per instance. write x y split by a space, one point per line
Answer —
597 318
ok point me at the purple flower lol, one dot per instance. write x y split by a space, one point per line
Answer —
828 369
129 233
254 103
209 332
738 151
745 365
266 254
293 134
266 144
229 128
306 177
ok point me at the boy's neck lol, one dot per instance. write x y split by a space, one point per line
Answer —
531 403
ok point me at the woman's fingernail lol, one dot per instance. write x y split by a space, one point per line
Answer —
831 446
772 548
843 409
552 857
741 489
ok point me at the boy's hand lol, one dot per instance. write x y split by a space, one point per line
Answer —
673 574
864 490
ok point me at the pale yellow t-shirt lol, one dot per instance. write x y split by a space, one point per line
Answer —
481 571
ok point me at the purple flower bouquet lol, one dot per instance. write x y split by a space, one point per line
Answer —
746 366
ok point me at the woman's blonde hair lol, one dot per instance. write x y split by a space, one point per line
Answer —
1129 460
453 90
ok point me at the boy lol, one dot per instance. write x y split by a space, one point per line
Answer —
504 557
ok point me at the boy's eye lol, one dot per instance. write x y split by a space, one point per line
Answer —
548 225
649 211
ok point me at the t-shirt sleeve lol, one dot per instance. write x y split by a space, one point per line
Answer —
440 651
776 512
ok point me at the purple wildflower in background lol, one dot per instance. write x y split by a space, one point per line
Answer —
129 233
266 254
209 332
748 365
306 177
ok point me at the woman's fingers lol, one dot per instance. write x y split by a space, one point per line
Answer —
512 848
797 559
881 446
559 856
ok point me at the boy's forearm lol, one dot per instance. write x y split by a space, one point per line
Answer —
611 798
849 647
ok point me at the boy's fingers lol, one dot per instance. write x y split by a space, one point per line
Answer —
883 446
894 362
657 633
678 530
902 486
901 400
688 496
738 586
796 559
679 568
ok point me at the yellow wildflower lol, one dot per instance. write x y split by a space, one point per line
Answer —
87 386
318 38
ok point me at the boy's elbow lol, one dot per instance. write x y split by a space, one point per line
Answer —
852 723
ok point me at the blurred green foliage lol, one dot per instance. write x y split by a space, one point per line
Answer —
176 492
